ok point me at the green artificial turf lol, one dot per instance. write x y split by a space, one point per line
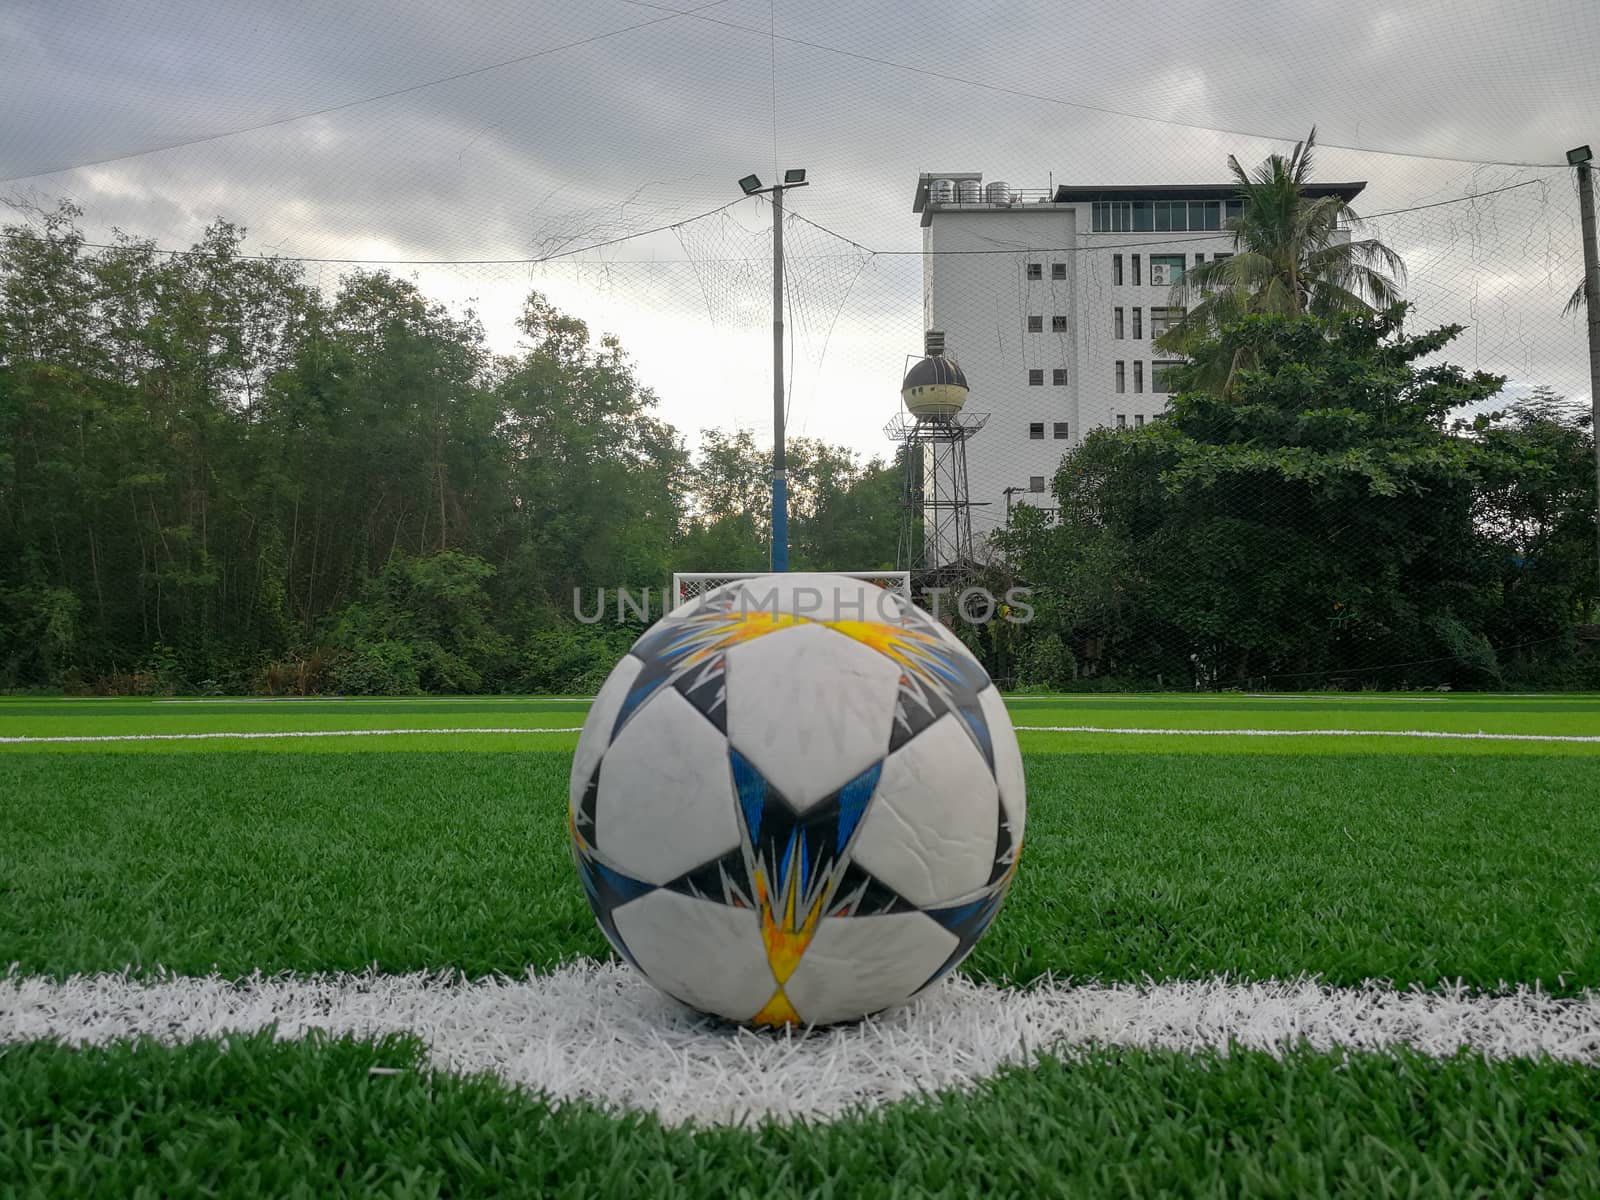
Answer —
255 1118
1415 868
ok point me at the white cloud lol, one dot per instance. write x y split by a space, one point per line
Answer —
650 126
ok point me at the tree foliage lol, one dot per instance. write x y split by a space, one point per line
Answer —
213 474
1332 515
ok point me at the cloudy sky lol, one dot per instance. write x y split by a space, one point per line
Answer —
511 131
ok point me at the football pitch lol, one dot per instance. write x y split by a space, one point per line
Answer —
1276 945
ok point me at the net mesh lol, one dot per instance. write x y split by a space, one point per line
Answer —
582 151
691 585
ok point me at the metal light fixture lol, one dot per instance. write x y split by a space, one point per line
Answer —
751 186
1579 154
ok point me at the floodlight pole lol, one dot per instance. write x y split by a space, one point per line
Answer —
780 479
1580 159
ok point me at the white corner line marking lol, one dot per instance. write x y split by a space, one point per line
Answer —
599 1033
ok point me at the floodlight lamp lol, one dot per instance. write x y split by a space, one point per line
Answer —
795 175
751 184
1580 154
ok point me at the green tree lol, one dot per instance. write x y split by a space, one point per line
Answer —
595 480
1292 254
844 513
849 519
1536 512
1326 519
421 624
204 462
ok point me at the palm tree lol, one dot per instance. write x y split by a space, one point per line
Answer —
1293 254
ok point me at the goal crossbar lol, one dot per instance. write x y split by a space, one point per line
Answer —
686 585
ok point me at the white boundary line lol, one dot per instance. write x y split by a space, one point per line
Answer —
599 1032
370 699
266 733
1131 731
1397 733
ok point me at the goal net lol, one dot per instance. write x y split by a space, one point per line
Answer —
687 585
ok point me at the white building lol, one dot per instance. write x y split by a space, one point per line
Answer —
1050 300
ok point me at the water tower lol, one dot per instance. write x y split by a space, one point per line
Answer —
936 513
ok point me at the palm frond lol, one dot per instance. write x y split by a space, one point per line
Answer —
1293 254
1575 302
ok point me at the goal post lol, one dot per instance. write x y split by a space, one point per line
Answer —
687 585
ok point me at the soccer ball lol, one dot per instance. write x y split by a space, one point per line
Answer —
797 800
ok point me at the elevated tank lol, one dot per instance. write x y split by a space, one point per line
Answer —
997 192
941 191
935 385
967 191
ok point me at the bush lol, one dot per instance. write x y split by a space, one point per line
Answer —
129 683
296 675
375 669
1046 663
570 658
421 624
1476 665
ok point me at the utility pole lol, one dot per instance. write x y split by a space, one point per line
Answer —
792 178
1579 158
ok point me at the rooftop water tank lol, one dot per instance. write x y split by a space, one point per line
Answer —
941 191
967 191
997 192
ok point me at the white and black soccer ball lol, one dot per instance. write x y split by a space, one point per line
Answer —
797 800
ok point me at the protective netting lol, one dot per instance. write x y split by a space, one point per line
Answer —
590 152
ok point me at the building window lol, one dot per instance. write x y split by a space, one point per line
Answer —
1036 431
1116 270
1138 375
1199 260
1035 324
1138 322
1162 216
1161 374
1166 269
1060 431
1220 256
1116 323
1135 258
1036 377
1058 377
1122 216
1122 376
1138 421
1122 421
1163 319
1179 215
1036 483
1058 270
1058 324
1035 270
1111 216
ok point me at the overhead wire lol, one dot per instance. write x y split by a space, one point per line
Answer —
699 14
1085 106
1207 236
372 99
